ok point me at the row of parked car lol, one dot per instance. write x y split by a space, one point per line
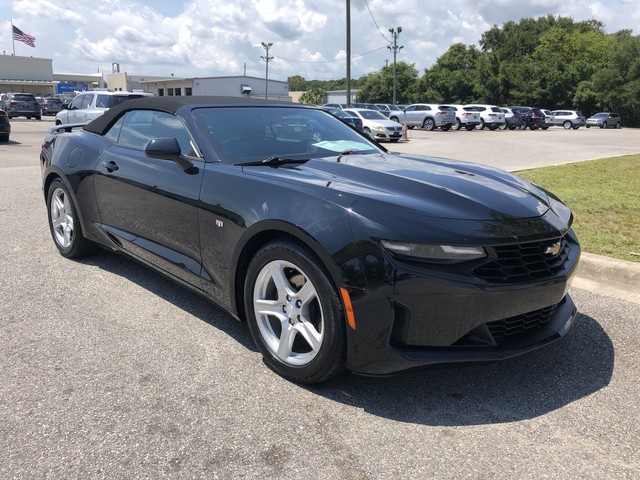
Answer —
385 122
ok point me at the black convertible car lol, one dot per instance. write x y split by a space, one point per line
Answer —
337 253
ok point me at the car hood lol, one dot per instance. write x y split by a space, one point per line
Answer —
381 123
428 186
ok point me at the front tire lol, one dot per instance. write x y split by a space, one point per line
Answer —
294 313
64 223
567 125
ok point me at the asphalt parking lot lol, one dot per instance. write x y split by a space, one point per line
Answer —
107 370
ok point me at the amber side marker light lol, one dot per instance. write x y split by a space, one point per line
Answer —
351 319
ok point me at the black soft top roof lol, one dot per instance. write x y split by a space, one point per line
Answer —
167 104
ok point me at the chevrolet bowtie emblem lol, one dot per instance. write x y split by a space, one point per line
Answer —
553 249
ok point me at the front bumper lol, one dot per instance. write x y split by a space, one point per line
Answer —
431 319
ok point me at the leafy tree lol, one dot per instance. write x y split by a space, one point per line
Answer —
452 77
297 83
313 96
378 87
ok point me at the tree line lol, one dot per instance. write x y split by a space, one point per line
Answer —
549 62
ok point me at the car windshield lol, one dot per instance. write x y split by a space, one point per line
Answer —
246 133
372 115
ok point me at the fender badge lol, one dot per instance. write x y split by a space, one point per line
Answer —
219 223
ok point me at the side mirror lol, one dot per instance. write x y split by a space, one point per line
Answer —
167 148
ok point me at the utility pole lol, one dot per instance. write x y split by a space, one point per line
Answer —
348 53
395 49
266 58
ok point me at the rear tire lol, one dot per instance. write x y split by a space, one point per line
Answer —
64 223
567 125
294 313
429 124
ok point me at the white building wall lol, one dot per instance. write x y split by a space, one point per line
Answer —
241 86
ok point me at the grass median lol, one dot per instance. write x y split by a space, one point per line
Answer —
604 196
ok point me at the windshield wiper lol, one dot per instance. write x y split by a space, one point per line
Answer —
274 162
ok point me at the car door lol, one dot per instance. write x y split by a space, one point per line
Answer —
80 103
414 115
149 205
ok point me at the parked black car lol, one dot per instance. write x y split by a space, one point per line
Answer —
5 126
337 253
345 116
534 118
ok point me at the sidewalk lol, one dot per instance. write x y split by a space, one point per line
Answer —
609 276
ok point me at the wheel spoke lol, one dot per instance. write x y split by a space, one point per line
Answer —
285 347
269 307
276 272
310 334
306 294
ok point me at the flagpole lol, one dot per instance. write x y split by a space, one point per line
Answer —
13 39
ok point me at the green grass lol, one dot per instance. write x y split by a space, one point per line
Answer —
604 196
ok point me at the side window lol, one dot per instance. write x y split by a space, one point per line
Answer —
102 101
77 102
140 126
411 108
86 101
114 131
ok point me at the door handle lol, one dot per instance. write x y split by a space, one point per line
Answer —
110 166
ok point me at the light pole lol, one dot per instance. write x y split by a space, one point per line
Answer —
395 49
266 58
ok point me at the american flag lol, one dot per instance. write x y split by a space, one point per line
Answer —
23 37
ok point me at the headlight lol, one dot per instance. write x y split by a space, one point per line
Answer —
434 252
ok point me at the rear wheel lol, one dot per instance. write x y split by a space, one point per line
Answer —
481 125
294 313
429 124
618 125
64 223
502 126
567 125
456 126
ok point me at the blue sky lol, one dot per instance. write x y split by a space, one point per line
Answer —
217 38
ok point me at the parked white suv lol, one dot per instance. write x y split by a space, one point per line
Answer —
464 118
425 115
88 106
491 116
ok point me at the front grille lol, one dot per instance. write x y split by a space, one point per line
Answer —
524 262
508 328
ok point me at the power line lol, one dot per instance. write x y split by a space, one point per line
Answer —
375 23
334 61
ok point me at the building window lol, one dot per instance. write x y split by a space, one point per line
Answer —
170 92
187 91
161 92
178 92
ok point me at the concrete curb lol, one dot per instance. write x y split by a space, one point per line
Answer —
609 276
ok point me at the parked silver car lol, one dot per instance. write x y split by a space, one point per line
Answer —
426 115
375 123
605 120
88 106
568 119
18 104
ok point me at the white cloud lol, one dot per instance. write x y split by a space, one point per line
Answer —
203 37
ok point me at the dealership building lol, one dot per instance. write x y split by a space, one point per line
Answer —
35 75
